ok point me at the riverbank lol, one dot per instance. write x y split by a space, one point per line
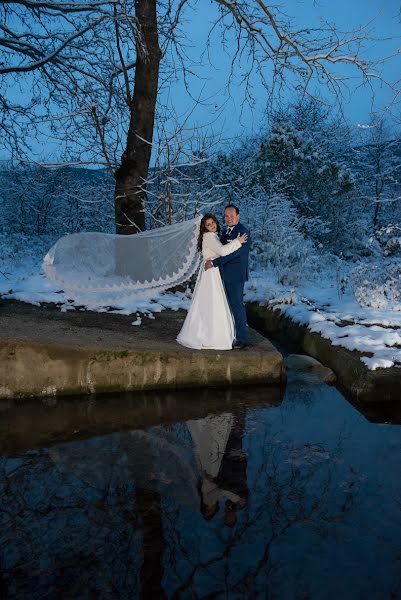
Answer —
354 377
46 352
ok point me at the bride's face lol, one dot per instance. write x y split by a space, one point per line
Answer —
211 225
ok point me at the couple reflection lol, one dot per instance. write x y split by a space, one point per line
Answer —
153 482
196 463
217 445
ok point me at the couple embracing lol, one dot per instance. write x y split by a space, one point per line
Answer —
216 318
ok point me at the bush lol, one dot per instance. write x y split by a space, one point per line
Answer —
378 284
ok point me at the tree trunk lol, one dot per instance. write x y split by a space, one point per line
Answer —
148 504
132 174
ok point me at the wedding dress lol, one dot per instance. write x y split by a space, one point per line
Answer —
209 323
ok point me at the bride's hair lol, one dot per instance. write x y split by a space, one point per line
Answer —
202 228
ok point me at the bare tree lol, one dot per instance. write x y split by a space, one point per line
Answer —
132 172
95 67
42 44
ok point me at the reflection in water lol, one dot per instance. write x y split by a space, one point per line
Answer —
222 463
235 495
63 418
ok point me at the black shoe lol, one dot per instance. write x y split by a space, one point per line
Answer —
239 345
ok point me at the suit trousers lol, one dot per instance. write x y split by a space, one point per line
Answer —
235 296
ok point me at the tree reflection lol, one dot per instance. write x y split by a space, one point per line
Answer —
61 535
220 506
292 488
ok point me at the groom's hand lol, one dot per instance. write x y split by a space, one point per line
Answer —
208 265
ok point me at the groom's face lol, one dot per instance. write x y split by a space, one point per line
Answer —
231 217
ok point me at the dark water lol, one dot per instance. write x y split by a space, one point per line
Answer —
218 494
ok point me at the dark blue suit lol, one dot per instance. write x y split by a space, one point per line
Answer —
234 272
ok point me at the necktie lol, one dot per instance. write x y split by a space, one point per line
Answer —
229 230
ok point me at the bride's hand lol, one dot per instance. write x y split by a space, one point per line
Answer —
242 238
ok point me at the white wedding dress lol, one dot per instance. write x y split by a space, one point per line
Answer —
209 323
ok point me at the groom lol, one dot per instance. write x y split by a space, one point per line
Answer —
234 272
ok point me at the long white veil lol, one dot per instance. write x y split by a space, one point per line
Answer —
101 262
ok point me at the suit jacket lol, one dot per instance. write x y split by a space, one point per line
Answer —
234 267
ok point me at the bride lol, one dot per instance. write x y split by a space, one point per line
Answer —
209 323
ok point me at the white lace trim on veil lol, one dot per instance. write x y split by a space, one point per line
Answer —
102 262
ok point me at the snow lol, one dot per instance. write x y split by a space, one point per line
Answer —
375 333
337 317
22 278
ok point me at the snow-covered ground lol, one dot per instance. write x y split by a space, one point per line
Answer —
336 316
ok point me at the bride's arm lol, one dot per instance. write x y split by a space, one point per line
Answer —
212 242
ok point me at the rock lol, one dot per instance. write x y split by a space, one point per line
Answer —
306 364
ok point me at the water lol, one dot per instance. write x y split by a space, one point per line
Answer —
236 493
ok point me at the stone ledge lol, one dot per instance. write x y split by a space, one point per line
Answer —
382 385
32 369
101 353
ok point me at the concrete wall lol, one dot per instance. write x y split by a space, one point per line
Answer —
34 369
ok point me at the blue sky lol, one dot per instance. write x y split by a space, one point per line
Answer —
227 114
232 118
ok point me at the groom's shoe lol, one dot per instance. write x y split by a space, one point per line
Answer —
237 345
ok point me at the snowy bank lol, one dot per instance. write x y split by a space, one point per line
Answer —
321 307
336 316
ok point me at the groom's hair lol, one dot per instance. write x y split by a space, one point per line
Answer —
232 206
